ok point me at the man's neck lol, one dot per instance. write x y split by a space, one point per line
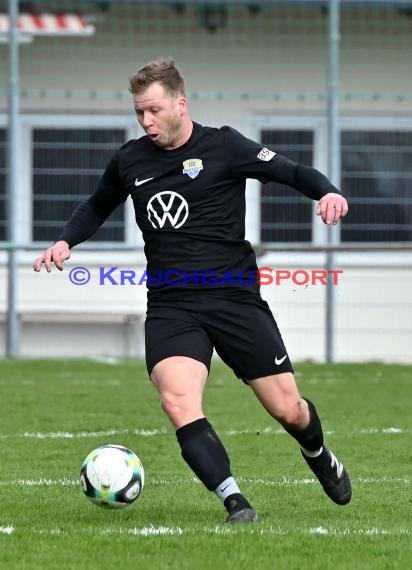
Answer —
186 133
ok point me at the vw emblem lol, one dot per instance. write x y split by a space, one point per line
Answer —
168 207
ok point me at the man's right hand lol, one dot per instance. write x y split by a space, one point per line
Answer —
56 253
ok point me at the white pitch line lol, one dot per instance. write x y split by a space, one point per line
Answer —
163 431
358 531
41 483
7 529
389 430
86 434
403 479
283 481
145 531
309 481
151 531
264 431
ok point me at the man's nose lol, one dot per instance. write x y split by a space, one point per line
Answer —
146 120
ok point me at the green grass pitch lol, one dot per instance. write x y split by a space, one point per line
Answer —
54 412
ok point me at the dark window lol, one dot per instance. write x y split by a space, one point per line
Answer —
377 179
286 215
67 166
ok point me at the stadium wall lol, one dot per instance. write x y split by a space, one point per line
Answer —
374 310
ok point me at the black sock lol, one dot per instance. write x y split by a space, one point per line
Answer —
310 438
204 453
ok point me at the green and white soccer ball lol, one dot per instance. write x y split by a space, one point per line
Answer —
112 476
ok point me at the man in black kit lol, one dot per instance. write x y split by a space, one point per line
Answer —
187 183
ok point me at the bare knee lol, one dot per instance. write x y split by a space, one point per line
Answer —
294 413
180 382
280 397
177 408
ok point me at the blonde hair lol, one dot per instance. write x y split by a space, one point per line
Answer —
161 70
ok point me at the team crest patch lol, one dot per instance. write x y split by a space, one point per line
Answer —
266 154
192 167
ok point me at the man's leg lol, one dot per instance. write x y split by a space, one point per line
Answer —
180 382
280 397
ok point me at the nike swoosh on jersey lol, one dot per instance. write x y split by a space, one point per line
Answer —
280 360
138 182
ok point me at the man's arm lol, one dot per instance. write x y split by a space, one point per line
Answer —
82 224
249 159
86 219
332 206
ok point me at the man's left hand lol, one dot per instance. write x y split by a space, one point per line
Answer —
332 208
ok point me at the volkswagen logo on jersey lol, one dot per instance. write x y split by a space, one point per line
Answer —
168 207
192 167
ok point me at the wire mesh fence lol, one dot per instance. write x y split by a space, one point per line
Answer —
259 66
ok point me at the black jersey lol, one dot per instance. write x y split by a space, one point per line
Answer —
190 204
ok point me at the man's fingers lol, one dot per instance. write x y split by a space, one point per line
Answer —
341 209
59 255
345 209
58 262
329 213
44 258
338 213
48 259
56 254
332 208
37 264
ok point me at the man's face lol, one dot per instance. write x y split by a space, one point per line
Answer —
161 116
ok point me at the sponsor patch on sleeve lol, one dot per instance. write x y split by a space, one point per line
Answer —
266 154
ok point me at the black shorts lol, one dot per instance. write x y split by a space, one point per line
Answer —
242 331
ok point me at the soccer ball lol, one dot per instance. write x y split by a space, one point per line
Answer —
112 476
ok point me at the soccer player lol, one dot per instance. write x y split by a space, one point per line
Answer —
187 183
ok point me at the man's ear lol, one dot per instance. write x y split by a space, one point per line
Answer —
182 103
